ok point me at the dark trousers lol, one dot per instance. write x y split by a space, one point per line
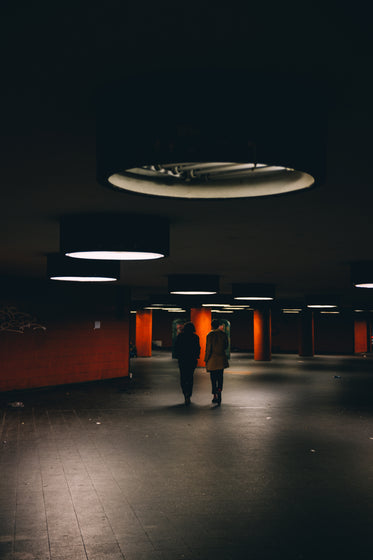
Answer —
186 377
216 377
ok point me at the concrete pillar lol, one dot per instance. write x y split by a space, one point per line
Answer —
201 317
262 334
144 328
306 334
360 336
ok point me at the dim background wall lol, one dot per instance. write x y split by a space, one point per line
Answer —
285 333
86 335
334 334
162 326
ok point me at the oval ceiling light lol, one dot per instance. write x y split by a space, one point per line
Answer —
362 274
114 237
321 301
60 267
193 284
253 292
243 180
221 134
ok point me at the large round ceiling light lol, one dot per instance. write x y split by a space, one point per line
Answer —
193 284
322 301
362 274
253 292
211 180
114 237
62 268
218 135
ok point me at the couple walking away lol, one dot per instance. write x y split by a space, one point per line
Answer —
187 351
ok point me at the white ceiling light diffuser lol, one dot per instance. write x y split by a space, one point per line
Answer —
193 284
114 237
221 134
62 268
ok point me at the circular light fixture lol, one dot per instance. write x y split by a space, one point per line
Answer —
253 292
362 274
211 180
114 237
60 267
193 284
254 298
115 255
321 301
222 134
320 306
191 293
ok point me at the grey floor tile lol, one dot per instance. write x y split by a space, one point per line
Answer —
68 553
162 482
6 549
34 549
106 551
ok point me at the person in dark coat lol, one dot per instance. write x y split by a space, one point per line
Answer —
187 351
216 358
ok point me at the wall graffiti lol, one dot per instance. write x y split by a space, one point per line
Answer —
12 320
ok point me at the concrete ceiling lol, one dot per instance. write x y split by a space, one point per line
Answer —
52 64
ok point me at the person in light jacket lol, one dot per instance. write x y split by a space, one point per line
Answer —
216 358
187 350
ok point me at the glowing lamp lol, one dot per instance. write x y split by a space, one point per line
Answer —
321 301
362 274
114 237
253 292
193 284
219 134
60 267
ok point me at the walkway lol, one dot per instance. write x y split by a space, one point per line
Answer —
123 470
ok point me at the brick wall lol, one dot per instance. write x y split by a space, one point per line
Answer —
71 349
64 353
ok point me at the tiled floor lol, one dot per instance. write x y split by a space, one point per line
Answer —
123 470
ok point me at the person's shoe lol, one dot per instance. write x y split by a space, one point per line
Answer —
215 399
219 397
187 401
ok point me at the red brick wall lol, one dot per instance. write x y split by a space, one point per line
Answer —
70 350
64 353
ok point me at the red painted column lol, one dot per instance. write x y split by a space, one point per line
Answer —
201 318
360 336
144 330
306 334
262 334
